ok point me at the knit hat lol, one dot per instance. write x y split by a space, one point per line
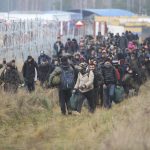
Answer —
83 65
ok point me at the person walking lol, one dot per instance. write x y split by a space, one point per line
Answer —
85 86
110 80
29 70
10 78
67 79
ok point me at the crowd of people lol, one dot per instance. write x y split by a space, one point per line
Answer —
100 71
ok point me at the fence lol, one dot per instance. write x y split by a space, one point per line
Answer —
20 38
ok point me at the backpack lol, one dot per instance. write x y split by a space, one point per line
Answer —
67 79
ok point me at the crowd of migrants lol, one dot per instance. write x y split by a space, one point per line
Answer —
100 71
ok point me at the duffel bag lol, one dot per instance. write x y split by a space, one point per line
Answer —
119 94
74 100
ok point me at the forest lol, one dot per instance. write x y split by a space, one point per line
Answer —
137 6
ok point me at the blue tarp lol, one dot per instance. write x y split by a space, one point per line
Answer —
105 12
111 12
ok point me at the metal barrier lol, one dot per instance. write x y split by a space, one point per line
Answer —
20 38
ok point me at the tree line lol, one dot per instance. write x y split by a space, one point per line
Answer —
137 6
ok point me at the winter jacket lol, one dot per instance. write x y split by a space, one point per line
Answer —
10 76
135 65
29 70
58 47
128 80
109 74
87 80
123 42
44 72
58 71
44 58
69 47
98 78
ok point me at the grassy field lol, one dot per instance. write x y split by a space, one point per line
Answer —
34 122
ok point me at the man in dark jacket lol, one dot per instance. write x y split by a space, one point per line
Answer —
110 80
67 77
129 81
123 43
44 67
136 67
68 46
75 45
76 59
58 48
98 81
29 70
130 36
43 58
10 78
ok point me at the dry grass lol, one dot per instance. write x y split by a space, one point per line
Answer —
133 133
34 122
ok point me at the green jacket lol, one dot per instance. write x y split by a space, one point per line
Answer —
56 72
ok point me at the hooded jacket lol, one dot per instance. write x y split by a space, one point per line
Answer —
29 70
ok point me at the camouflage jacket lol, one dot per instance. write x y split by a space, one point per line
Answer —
10 76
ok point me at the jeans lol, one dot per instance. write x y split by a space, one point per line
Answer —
108 95
64 100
